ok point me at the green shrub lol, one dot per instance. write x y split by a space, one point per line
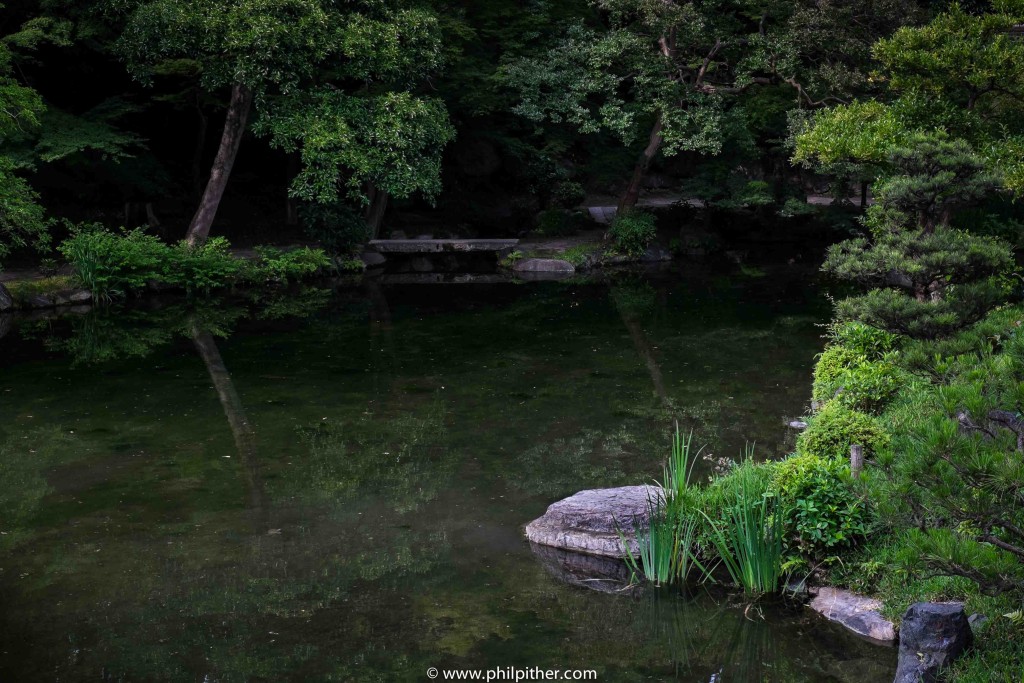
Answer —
822 510
276 265
338 228
114 264
632 232
836 427
556 223
200 268
870 386
870 342
568 194
833 362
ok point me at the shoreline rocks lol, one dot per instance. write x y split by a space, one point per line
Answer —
932 635
855 612
589 521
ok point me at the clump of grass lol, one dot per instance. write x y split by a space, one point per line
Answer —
748 534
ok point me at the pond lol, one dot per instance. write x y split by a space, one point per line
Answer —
331 486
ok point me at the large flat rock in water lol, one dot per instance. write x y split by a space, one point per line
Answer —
589 521
856 612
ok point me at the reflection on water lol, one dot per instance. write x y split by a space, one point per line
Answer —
331 486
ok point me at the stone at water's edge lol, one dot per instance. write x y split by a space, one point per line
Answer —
543 265
6 302
856 612
593 572
932 635
589 521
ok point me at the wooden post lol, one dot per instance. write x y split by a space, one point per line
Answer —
856 460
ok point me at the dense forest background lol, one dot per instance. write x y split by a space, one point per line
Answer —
471 117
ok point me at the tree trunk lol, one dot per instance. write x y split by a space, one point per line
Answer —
643 164
375 211
234 128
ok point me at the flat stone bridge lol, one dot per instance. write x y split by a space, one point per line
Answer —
432 246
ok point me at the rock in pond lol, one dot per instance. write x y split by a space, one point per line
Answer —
6 301
372 259
544 265
856 612
589 521
932 635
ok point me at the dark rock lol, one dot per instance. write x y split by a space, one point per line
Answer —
543 265
6 324
425 236
398 235
372 259
654 254
39 301
856 612
589 521
80 296
6 301
932 635
976 620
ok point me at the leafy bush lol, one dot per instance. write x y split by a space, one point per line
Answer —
556 223
869 386
822 510
114 263
870 342
568 194
833 362
338 228
632 232
200 268
276 265
836 427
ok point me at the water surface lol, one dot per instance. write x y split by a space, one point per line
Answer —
332 487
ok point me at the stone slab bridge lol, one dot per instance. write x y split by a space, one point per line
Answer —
432 246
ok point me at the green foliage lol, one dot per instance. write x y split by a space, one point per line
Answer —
824 513
276 265
836 427
199 268
556 223
747 533
861 339
22 219
338 228
580 255
112 264
632 232
117 264
854 381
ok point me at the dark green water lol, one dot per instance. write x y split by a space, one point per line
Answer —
334 490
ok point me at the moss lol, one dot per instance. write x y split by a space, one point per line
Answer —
24 290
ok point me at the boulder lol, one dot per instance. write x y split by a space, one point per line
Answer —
543 265
40 301
6 324
655 254
80 296
798 425
855 612
6 301
932 635
372 259
589 521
